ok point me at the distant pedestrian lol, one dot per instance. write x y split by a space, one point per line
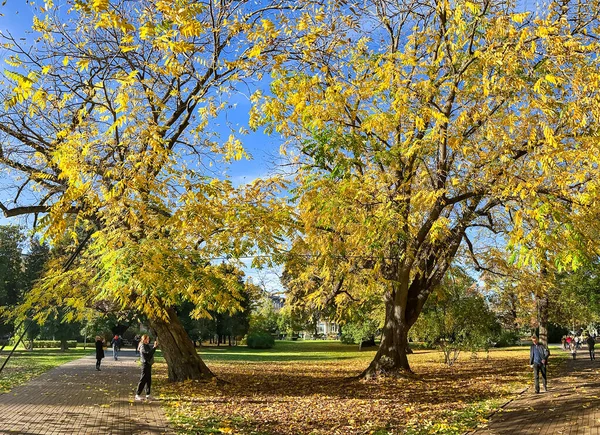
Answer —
136 344
115 343
99 351
563 342
573 349
591 342
147 359
538 360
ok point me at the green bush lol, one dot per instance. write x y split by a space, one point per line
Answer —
49 344
506 338
347 338
260 340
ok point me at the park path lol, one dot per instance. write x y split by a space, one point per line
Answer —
75 398
571 405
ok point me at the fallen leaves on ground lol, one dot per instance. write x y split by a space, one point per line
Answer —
324 397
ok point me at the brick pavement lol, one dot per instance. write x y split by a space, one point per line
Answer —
75 398
571 405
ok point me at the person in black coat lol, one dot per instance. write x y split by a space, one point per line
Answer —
147 359
591 342
99 351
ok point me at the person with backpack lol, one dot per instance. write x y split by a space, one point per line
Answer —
538 361
591 342
146 359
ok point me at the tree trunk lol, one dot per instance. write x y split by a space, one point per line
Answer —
178 350
542 315
542 310
391 358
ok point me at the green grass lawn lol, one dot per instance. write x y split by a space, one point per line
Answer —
321 350
25 365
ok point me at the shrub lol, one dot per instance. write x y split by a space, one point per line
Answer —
48 344
506 338
260 340
347 338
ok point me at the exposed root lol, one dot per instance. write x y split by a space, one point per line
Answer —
385 368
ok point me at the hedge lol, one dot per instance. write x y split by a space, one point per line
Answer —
260 340
47 344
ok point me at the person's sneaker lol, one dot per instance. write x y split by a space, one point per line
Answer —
138 397
149 397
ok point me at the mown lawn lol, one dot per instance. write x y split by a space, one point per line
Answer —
25 365
311 388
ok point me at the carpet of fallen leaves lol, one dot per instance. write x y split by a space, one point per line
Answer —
318 392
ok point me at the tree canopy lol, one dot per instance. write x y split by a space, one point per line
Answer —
107 133
419 129
418 126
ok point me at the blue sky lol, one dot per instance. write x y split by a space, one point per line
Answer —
16 17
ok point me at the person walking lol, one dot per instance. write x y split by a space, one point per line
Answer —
99 351
538 361
147 359
591 342
115 343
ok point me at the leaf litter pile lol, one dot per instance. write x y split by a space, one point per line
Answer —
310 394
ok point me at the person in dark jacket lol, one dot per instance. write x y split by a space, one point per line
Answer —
591 342
147 359
99 351
538 360
116 346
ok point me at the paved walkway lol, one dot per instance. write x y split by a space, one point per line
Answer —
75 398
571 405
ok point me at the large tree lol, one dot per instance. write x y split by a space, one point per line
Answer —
420 124
109 137
12 276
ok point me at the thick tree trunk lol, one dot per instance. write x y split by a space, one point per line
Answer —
178 350
542 311
391 358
